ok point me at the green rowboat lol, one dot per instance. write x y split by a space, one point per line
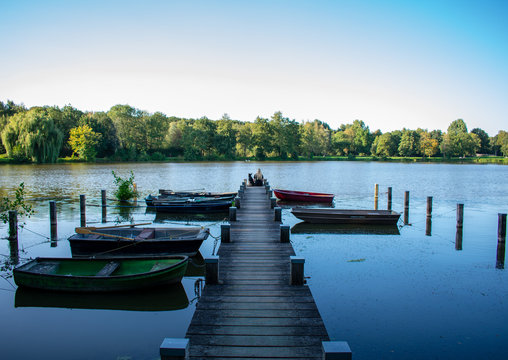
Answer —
113 274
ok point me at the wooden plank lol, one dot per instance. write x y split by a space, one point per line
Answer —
215 305
249 351
215 329
257 340
205 318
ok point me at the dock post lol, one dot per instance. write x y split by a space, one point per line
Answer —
389 204
336 350
376 196
270 194
460 223
225 233
296 270
174 349
277 213
501 228
13 236
232 213
273 202
52 223
428 222
237 202
82 209
429 206
406 208
104 209
212 270
284 233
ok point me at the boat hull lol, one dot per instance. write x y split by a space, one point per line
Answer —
192 207
291 195
344 216
166 241
83 275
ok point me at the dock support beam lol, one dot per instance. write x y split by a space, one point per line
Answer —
82 209
225 233
406 208
284 233
174 349
212 270
336 350
232 213
277 213
296 270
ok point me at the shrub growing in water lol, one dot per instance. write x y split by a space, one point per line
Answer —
125 189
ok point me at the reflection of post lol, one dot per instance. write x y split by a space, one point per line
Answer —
389 206
53 223
13 235
104 208
501 240
460 222
82 209
406 207
135 189
376 196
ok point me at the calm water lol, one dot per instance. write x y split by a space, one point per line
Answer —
391 296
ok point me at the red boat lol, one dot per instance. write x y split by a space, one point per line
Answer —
292 195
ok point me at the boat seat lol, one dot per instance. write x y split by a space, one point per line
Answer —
146 234
44 268
108 269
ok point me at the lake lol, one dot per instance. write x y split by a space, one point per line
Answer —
391 295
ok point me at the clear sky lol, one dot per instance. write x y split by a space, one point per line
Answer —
392 64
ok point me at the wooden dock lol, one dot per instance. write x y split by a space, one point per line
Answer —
254 312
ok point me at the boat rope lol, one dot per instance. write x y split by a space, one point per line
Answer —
34 232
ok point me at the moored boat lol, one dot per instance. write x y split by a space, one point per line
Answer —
293 195
185 195
346 216
107 274
193 205
121 241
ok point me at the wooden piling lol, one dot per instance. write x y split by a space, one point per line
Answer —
53 223
284 233
500 255
237 202
174 349
336 350
460 215
13 236
273 202
104 206
429 206
376 196
212 270
389 203
296 270
232 213
406 208
277 213
225 231
82 209
458 238
501 228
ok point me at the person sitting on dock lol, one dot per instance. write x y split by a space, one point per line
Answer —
258 178
251 180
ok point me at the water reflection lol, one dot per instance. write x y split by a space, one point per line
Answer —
308 228
500 255
167 298
458 238
428 226
161 217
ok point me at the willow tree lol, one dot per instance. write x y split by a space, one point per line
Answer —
34 135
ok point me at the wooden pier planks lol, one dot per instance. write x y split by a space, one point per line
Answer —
254 313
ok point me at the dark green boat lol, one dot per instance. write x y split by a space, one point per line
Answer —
114 274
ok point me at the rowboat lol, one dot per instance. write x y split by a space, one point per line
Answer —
344 229
109 274
346 216
193 205
181 195
121 241
161 298
293 195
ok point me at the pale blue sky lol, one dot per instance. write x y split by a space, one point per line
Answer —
392 64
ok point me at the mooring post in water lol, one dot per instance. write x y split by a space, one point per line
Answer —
296 270
277 213
104 206
389 204
428 222
53 223
82 209
13 235
174 349
232 213
225 233
429 206
284 233
237 202
460 223
501 228
212 270
376 196
406 208
336 350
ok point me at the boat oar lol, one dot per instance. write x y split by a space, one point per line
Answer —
86 231
93 228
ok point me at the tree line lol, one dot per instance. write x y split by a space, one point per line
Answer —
43 134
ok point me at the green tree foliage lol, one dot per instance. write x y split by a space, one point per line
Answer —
428 146
385 145
226 137
409 143
173 140
19 204
33 135
83 141
315 138
353 139
485 147
458 126
102 124
244 138
500 142
65 119
286 136
458 142
125 190
262 135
